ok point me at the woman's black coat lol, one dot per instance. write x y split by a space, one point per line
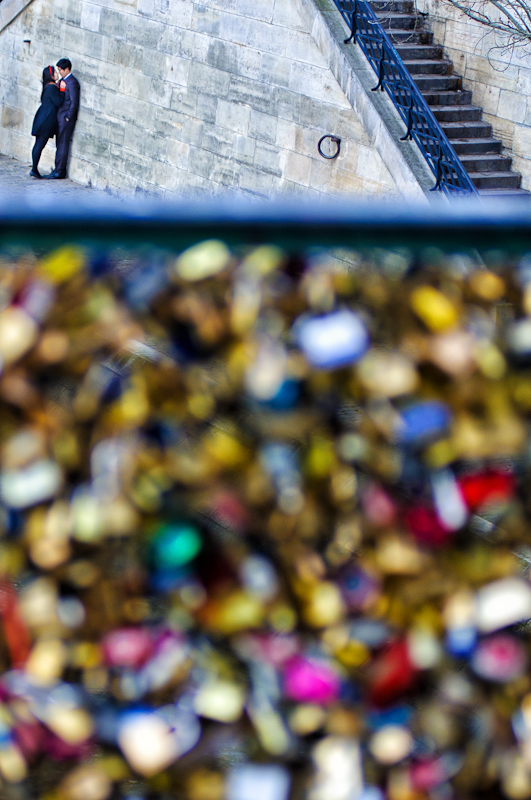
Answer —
45 121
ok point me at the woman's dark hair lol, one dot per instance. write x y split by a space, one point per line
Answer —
47 77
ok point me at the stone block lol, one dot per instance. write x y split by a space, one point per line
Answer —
286 133
144 32
523 82
267 38
174 12
252 93
298 168
92 145
130 163
154 63
200 162
132 84
49 33
286 104
191 44
12 118
152 147
502 80
301 47
73 13
317 83
486 97
170 41
206 107
256 182
249 63
125 5
217 140
223 55
511 106
184 101
243 149
90 17
522 141
306 140
267 159
120 107
263 126
204 78
20 146
25 74
368 164
115 132
206 19
348 157
177 70
124 54
346 124
169 177
233 116
160 93
113 23
177 153
287 16
233 28
105 76
145 7
95 45
253 9
313 114
60 10
275 70
225 171
167 123
192 131
320 174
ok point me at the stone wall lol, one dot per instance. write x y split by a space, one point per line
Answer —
178 96
500 79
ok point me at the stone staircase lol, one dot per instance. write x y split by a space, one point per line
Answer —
471 137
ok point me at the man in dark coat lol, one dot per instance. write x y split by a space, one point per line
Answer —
66 117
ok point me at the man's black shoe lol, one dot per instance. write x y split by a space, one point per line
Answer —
51 175
58 176
35 173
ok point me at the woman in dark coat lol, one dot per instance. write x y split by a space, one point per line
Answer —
45 121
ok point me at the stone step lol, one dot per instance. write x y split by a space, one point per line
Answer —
439 66
495 180
400 21
486 163
517 194
408 51
457 113
411 36
437 82
476 146
454 98
385 6
467 130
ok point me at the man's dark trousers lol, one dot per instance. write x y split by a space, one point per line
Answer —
66 122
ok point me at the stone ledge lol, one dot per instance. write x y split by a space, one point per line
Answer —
9 9
377 113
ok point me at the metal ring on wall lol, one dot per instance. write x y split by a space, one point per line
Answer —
334 139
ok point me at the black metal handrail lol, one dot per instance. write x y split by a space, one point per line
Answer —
395 79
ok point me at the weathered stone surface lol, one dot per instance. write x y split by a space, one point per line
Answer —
180 96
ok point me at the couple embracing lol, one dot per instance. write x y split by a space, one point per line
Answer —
56 116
